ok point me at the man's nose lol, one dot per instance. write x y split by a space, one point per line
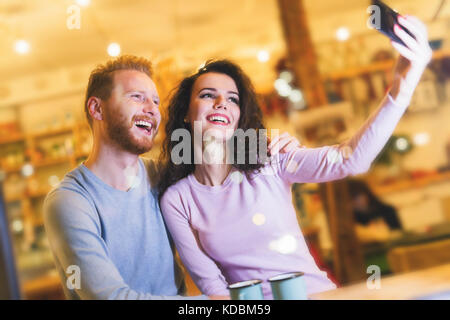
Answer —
151 107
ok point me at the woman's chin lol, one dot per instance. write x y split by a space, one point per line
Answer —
218 134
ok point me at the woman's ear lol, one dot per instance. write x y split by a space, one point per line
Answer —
95 108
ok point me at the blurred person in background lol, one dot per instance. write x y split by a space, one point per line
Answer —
375 220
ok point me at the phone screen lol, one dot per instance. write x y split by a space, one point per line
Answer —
388 18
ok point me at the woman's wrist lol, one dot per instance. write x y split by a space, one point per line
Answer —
405 82
400 93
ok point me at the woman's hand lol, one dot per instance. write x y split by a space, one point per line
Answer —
414 58
283 143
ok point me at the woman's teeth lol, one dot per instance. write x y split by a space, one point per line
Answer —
219 119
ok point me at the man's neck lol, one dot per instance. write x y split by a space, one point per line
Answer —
114 166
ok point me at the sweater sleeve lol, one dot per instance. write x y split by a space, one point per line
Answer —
351 157
74 233
203 270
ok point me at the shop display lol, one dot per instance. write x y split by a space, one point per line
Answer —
30 165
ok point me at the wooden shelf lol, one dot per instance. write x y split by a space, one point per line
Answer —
51 162
357 71
81 154
42 163
407 184
381 66
12 169
45 287
441 53
50 133
15 198
28 195
39 193
17 137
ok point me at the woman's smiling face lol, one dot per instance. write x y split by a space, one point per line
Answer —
215 103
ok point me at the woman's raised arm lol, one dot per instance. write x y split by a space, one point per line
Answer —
355 155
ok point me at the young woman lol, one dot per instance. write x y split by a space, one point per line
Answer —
235 222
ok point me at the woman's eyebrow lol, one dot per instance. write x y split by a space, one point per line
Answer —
213 89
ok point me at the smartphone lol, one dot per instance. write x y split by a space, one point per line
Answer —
388 18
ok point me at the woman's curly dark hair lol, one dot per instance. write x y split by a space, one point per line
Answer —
251 117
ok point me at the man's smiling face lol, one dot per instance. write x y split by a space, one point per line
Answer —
131 113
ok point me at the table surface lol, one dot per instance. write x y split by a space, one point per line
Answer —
411 285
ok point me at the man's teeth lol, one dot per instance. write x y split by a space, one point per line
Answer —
218 118
144 124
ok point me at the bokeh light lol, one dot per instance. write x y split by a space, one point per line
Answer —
22 47
114 49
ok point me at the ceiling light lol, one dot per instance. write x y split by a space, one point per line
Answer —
421 139
263 56
114 49
21 47
83 3
342 34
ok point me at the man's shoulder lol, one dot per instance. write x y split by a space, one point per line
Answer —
74 180
70 204
71 189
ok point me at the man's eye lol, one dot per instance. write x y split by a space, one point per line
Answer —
137 96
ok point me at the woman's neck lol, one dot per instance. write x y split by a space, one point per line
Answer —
212 174
213 169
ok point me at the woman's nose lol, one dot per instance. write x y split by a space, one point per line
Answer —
220 103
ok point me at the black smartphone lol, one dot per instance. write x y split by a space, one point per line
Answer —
388 18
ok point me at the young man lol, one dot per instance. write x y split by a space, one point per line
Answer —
103 221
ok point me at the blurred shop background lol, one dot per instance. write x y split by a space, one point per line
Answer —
319 72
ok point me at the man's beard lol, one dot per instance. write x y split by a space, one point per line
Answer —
118 129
